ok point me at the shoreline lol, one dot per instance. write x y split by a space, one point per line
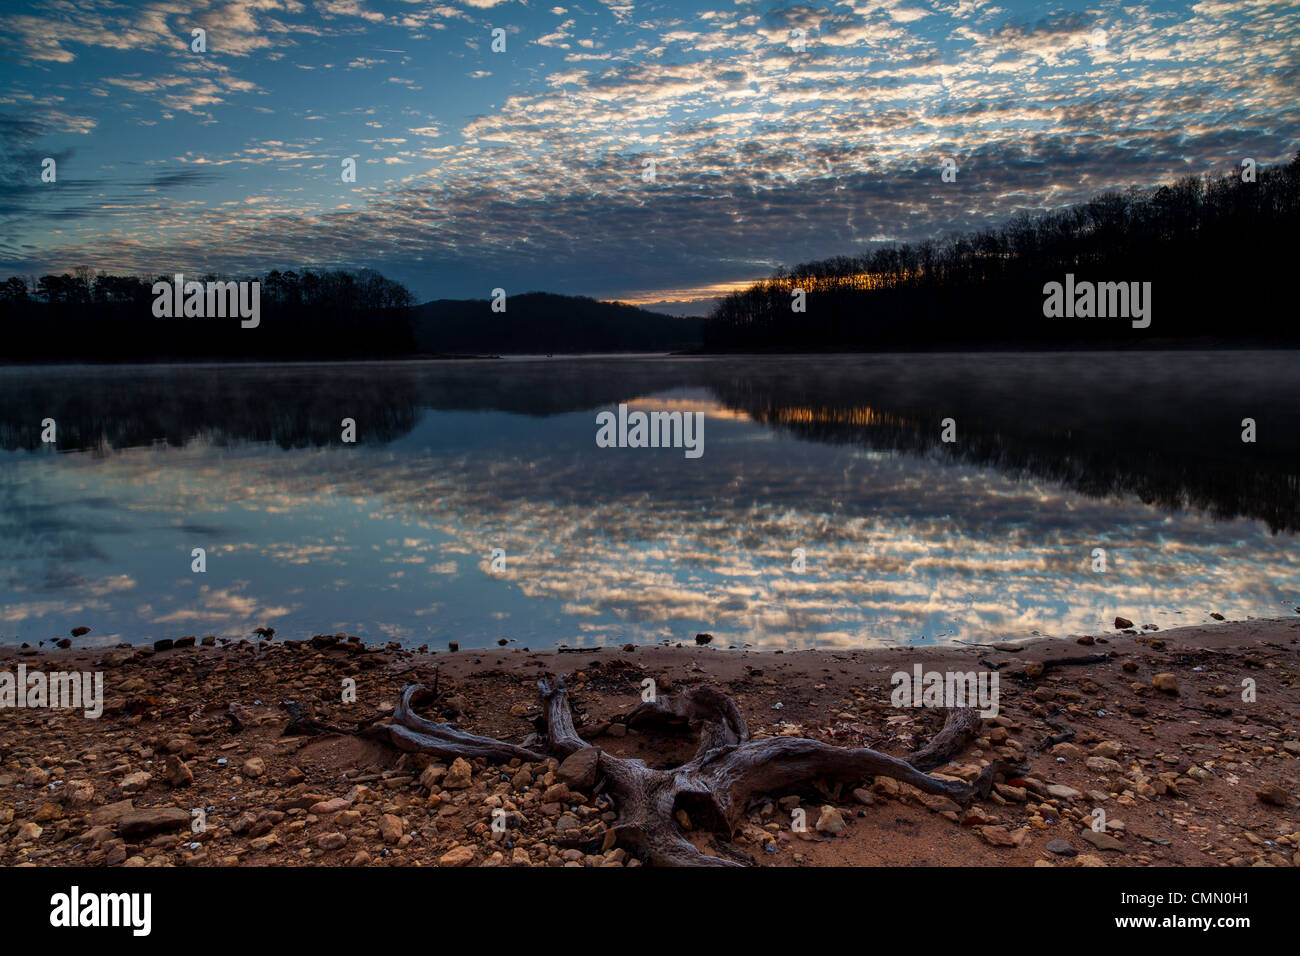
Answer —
1195 777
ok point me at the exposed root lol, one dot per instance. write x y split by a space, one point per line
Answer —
719 784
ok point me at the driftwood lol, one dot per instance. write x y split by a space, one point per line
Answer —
718 785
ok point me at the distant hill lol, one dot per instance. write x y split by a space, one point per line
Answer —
542 322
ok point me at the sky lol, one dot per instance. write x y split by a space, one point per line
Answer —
777 134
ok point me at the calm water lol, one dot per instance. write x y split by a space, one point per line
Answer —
907 538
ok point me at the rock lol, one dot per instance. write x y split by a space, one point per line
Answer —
178 775
1000 836
324 808
578 770
151 819
254 767
1168 683
885 785
391 828
264 843
243 823
1217 616
703 639
331 841
1103 765
936 803
30 831
1273 795
136 782
35 777
556 793
458 856
431 777
109 813
1109 749
567 821
164 644
977 816
1061 792
864 797
831 821
360 858
1034 669
1129 667
1122 622
1103 841
459 775
1061 848
519 857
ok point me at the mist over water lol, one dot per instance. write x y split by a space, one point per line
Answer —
907 539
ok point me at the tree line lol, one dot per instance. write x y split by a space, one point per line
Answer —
84 315
1216 250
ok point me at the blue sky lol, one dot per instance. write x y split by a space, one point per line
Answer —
524 169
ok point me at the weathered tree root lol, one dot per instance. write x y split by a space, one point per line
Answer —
415 734
717 786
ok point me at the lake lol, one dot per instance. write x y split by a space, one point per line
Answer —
825 510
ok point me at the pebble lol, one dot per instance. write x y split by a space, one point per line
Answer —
459 775
333 805
152 819
578 770
831 821
331 841
458 856
178 774
135 782
1167 683
1273 795
1103 841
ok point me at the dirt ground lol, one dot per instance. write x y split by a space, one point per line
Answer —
188 766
